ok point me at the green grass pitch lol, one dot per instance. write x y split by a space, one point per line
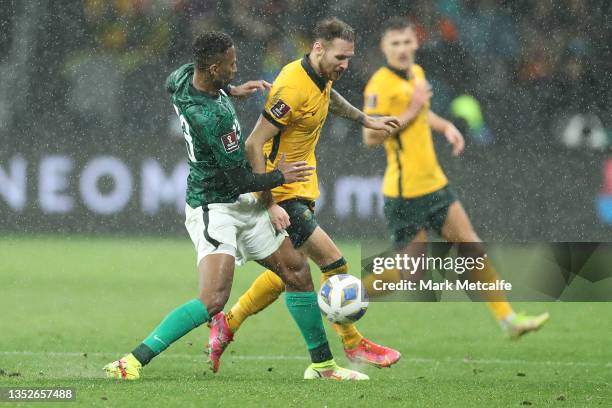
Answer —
71 304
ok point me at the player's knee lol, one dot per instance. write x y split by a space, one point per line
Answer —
471 249
298 277
214 302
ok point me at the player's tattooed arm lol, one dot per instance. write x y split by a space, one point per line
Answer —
341 107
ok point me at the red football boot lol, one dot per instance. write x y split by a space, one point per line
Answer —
372 353
220 337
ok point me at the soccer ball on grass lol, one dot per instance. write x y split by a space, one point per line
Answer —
342 299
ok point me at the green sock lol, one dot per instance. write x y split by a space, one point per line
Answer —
305 311
175 325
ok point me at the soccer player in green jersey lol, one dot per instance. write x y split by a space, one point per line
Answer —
226 223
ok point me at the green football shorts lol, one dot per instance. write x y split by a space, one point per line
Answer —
302 218
407 216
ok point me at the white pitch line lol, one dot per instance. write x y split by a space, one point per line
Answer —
416 360
168 355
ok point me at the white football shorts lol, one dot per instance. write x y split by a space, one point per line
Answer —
241 229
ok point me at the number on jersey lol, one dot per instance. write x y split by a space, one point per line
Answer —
186 134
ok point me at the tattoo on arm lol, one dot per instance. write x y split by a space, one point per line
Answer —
341 107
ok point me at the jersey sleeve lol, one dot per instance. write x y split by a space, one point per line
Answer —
282 104
216 134
170 83
419 72
378 101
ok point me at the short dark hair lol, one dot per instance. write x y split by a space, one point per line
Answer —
208 46
396 23
332 28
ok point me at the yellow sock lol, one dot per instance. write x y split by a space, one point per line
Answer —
500 306
348 332
388 275
263 291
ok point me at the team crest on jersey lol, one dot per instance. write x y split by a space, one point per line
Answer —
230 142
280 109
372 100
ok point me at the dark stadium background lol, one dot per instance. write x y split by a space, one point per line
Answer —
84 81
93 251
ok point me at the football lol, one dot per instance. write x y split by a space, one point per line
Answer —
342 299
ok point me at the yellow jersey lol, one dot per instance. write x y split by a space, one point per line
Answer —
297 105
412 166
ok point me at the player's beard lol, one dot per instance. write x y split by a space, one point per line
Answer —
221 83
332 75
328 72
336 75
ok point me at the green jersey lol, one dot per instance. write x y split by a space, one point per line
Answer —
213 140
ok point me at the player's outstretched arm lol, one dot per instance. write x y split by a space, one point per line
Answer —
450 132
341 107
285 173
422 93
249 88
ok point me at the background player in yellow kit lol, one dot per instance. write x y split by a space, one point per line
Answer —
416 191
294 113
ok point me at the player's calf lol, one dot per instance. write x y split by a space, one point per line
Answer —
292 268
214 301
216 276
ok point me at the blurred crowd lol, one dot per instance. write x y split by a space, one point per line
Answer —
531 65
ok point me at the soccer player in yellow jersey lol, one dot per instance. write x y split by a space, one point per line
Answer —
416 191
290 125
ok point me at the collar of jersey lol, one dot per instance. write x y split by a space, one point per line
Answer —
195 91
318 80
398 72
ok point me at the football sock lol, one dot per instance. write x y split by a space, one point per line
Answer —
263 291
348 332
175 325
324 365
304 309
387 276
497 299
